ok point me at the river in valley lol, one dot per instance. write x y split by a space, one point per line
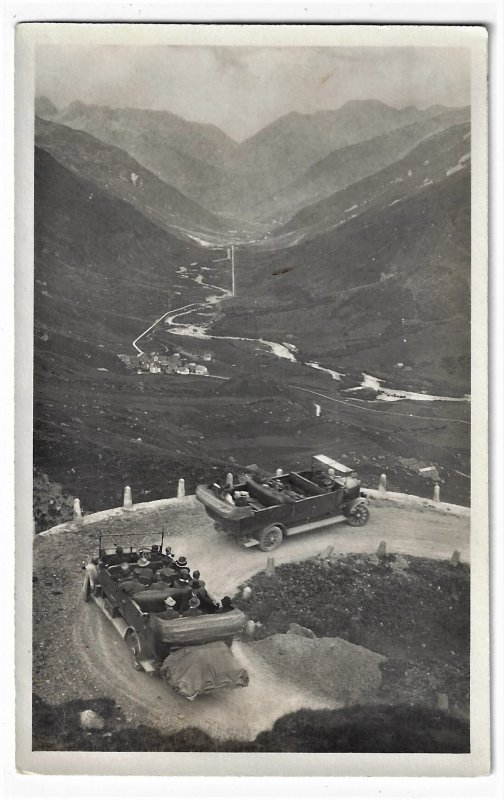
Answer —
208 309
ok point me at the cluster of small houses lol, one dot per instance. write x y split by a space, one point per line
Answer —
170 364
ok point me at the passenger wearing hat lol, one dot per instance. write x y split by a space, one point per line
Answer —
182 580
167 575
181 564
226 605
206 602
169 612
143 571
194 609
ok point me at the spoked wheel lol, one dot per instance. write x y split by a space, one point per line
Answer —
135 649
359 515
270 538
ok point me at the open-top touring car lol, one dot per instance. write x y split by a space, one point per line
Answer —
192 653
263 509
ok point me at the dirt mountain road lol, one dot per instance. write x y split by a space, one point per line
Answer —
78 655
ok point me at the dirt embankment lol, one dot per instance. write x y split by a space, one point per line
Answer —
414 612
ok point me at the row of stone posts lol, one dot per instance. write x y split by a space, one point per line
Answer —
382 487
127 500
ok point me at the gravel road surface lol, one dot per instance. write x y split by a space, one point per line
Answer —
79 655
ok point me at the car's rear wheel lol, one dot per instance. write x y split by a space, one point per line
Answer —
359 515
135 649
270 538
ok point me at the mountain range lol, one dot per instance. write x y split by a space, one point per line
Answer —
352 242
242 179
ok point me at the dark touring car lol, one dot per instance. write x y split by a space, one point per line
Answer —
193 654
262 510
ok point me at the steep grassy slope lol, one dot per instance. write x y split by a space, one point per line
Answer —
188 155
392 285
424 166
347 165
103 273
113 170
98 255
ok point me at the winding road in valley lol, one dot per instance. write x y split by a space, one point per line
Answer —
285 351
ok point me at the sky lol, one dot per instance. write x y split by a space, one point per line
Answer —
242 89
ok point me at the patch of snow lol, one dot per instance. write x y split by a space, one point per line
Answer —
452 170
391 395
351 208
464 158
427 182
336 376
425 163
409 173
202 242
399 199
102 369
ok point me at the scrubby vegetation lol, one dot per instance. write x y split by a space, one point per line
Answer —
361 729
415 611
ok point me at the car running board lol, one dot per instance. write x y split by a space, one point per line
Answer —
119 623
310 526
122 628
148 665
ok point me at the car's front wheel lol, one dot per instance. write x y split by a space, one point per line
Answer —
135 649
359 515
86 589
270 538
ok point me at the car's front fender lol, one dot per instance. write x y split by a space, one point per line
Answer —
92 572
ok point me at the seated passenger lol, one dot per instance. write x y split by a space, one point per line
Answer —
227 494
194 609
167 575
143 571
132 585
181 564
226 605
182 580
168 558
169 612
117 558
120 571
155 557
241 498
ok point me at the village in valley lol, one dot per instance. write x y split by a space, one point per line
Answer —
180 363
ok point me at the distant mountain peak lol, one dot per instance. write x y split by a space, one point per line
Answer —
369 103
45 108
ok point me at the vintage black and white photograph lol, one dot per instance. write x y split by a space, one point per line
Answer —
254 273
